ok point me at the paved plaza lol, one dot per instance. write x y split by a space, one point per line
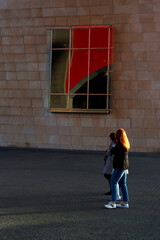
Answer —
59 195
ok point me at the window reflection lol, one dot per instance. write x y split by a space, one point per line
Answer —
98 59
78 102
98 81
80 38
98 71
81 68
79 71
59 101
99 38
97 102
60 38
110 83
59 72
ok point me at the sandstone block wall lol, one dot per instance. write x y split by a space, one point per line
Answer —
25 120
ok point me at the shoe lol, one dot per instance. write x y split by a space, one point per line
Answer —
110 205
123 205
108 193
119 197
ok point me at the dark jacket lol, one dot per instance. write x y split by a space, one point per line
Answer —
120 160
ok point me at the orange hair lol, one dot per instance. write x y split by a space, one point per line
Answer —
121 137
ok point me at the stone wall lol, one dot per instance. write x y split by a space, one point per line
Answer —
25 120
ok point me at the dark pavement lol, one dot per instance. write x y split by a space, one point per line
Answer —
59 195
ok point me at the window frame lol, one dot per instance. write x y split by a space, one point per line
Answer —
70 48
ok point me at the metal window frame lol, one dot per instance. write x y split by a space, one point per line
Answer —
108 48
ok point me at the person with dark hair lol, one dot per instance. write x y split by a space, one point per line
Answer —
108 167
120 166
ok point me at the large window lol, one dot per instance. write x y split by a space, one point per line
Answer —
81 66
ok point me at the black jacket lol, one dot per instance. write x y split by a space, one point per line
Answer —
120 160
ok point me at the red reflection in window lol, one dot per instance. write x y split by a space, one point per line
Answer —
99 38
80 38
96 59
79 67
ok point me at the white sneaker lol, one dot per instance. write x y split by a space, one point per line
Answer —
123 205
110 205
119 197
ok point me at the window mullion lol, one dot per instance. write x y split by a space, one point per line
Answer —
89 43
69 66
50 83
108 68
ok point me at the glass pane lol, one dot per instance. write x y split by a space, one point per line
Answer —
80 38
97 101
98 82
110 82
78 101
79 71
99 38
59 101
98 59
109 102
98 71
59 74
60 38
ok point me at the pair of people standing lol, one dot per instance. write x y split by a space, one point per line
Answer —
108 166
119 149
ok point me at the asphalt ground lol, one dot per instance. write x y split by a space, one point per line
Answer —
59 195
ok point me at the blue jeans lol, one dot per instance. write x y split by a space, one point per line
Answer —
120 177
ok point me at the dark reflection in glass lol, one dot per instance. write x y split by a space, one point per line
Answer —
99 37
59 101
78 101
109 102
79 71
98 71
82 88
60 38
59 72
97 101
80 38
98 81
110 82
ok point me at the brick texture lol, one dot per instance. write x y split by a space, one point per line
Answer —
25 120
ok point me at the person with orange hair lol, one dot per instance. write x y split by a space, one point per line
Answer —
120 166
